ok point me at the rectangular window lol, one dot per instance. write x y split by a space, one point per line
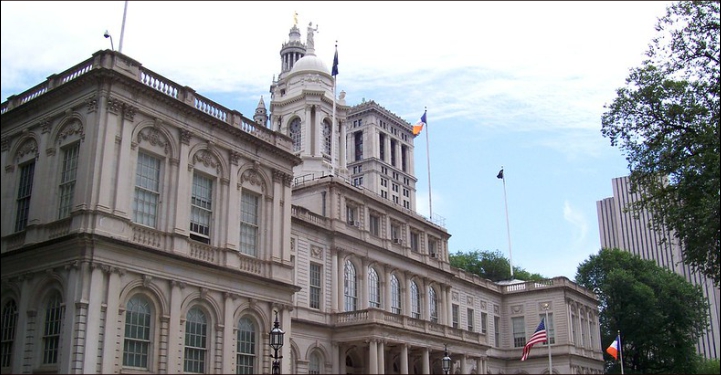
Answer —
395 232
315 290
471 319
393 152
455 315
497 331
432 251
550 331
519 331
147 190
201 208
25 189
249 204
375 221
382 146
67 180
351 213
358 136
484 323
414 241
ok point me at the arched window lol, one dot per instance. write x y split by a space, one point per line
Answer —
52 328
374 288
138 317
246 347
9 324
327 134
433 304
415 301
295 134
314 363
395 295
196 337
350 287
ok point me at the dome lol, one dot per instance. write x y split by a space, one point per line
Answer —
310 63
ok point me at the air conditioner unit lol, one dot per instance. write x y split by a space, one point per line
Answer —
434 255
397 240
354 223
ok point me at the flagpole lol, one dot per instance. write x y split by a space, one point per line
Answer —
620 350
548 341
334 72
122 28
508 227
428 161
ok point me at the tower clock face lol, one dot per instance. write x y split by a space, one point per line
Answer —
295 126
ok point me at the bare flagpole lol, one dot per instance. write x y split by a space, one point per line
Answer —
508 227
122 28
620 350
548 340
334 73
428 161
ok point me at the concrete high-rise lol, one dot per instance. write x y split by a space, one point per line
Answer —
621 229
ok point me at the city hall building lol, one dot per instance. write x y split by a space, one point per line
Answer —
148 229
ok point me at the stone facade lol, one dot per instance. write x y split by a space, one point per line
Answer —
147 229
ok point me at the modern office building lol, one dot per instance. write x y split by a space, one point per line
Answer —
620 229
149 229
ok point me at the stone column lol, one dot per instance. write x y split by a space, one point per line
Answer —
404 359
381 358
464 366
92 333
372 357
334 294
228 336
110 338
174 339
335 357
426 361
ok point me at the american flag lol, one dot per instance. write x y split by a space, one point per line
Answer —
538 336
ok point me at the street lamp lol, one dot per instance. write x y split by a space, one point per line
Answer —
446 361
107 35
276 342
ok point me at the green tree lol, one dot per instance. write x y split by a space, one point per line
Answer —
708 366
657 311
491 265
666 121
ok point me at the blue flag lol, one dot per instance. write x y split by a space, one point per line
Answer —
335 63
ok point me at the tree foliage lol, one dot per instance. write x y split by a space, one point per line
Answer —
666 121
491 265
658 313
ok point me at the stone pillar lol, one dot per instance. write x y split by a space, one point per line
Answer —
404 359
92 333
362 275
372 357
175 342
381 358
464 366
334 294
228 336
449 305
426 361
110 337
335 357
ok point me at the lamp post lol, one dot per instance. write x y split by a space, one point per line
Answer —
446 361
107 35
276 342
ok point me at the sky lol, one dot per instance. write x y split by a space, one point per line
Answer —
518 85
